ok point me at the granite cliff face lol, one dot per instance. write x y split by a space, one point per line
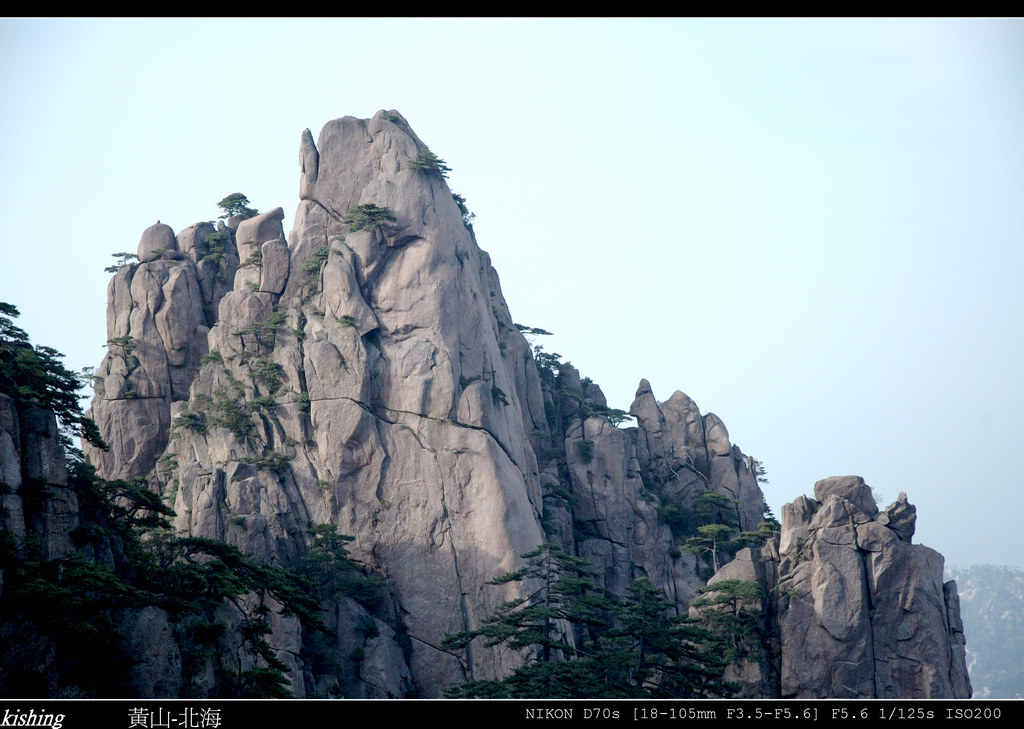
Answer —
365 372
853 608
865 600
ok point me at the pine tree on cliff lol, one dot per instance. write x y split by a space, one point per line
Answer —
37 375
582 645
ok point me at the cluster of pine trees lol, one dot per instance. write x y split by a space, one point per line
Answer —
582 644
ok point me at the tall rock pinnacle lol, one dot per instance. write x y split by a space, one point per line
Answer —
384 369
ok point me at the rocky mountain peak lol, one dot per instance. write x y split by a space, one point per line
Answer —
364 373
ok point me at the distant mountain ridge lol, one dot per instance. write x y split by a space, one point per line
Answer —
992 606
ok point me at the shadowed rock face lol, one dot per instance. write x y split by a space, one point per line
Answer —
371 377
34 496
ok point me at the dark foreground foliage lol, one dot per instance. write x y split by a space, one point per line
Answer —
580 644
61 618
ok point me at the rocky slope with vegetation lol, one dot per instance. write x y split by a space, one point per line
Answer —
350 415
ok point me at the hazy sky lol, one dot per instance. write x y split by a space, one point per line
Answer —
814 228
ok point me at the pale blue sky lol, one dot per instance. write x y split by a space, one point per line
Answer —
812 227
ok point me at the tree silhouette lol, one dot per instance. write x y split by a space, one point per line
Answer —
236 204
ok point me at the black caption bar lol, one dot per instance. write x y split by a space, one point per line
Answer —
287 714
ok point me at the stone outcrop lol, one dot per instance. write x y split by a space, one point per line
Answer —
858 610
364 372
159 313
